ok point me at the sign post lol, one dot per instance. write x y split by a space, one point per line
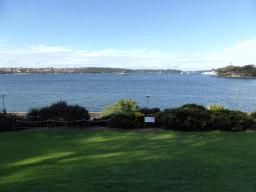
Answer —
147 100
149 119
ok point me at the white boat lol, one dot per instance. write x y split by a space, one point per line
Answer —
209 73
123 73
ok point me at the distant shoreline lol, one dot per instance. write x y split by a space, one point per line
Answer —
235 77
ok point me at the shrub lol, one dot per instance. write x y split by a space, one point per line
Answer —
122 120
241 120
121 106
6 122
139 119
147 111
34 112
231 120
215 107
192 117
221 120
77 113
61 111
253 114
194 106
187 118
126 120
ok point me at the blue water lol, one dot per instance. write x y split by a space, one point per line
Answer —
94 91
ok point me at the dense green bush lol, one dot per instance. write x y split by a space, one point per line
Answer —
186 118
122 120
193 106
192 117
61 111
215 107
189 117
139 119
6 122
126 120
130 105
221 120
147 111
231 120
34 112
253 114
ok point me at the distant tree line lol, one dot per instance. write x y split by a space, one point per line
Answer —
81 70
247 69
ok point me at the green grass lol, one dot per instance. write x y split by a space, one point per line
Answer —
127 161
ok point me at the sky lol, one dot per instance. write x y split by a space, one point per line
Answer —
134 34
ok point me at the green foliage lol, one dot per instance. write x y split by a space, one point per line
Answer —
231 120
139 119
33 112
193 117
194 106
61 111
215 107
247 69
189 117
6 122
221 120
122 120
253 114
186 119
130 105
126 120
147 111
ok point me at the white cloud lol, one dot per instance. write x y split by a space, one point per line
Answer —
3 40
85 53
243 53
45 49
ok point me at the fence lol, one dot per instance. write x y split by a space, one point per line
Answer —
31 122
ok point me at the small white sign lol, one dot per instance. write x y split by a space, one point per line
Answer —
149 119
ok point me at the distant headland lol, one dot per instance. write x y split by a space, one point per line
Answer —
245 72
67 70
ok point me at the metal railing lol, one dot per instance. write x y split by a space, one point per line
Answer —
31 122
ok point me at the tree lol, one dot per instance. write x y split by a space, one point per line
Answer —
61 111
121 106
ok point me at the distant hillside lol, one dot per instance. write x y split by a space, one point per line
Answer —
246 71
81 70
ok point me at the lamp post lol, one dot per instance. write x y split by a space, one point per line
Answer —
147 100
3 100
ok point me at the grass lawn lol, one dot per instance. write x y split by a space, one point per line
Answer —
119 160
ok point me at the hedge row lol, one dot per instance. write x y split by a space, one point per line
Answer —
190 117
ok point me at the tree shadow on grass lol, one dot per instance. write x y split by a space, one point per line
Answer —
127 161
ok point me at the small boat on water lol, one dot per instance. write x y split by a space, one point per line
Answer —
185 73
123 73
209 73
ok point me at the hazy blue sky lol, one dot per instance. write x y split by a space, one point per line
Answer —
163 34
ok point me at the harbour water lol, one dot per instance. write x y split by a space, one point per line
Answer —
94 91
